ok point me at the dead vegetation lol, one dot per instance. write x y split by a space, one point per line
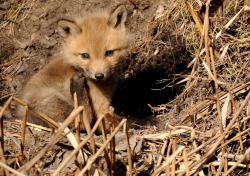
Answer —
207 124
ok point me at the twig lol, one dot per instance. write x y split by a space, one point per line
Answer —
211 151
31 124
77 135
125 129
184 153
240 161
219 34
10 169
44 117
173 163
197 55
235 137
162 152
2 134
168 152
207 42
75 151
106 155
55 138
235 109
218 104
195 17
168 161
23 133
97 154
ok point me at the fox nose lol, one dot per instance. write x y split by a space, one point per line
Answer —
99 75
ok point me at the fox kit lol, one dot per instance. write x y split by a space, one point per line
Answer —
94 46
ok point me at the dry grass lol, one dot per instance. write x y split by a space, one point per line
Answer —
208 130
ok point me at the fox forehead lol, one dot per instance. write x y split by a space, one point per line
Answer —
96 35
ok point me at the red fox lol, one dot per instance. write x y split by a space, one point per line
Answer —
93 46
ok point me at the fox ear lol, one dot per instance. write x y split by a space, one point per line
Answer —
118 17
68 28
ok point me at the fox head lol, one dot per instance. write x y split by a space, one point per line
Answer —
96 42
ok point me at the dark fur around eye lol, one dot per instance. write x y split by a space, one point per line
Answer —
109 53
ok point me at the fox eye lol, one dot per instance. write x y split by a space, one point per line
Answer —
85 55
109 53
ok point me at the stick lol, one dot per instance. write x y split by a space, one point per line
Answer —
168 152
66 160
207 42
168 161
184 153
23 133
55 138
235 137
235 109
125 129
211 151
218 104
173 163
162 152
44 117
2 134
219 34
77 135
106 155
10 169
97 154
241 160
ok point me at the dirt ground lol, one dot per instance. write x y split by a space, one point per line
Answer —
29 40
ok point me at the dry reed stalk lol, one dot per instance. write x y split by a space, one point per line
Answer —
167 158
184 154
73 153
2 134
106 155
97 154
197 55
125 130
54 139
168 161
10 169
222 162
31 124
88 129
195 17
216 163
162 153
219 34
240 161
239 135
23 134
206 103
235 109
44 117
218 106
206 26
112 151
173 162
221 138
77 135
198 157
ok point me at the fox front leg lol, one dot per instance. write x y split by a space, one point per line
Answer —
78 85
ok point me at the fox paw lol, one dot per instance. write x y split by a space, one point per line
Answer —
77 83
